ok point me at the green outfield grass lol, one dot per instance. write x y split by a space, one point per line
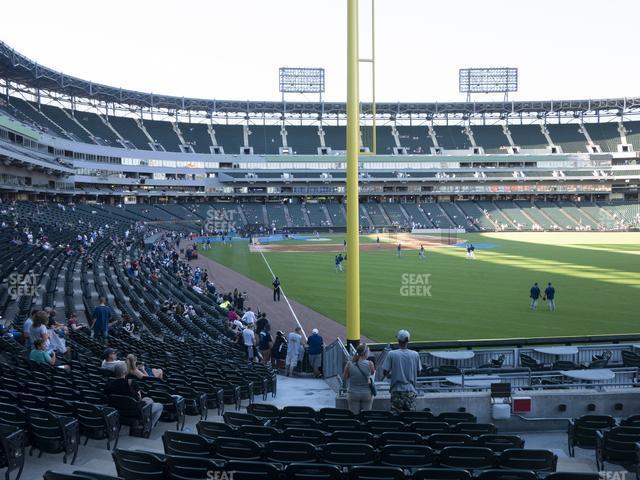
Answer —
596 275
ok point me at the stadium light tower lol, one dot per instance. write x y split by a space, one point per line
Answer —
488 80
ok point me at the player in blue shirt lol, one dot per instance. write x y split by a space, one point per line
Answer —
550 296
534 294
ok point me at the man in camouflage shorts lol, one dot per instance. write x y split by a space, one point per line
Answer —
402 366
403 402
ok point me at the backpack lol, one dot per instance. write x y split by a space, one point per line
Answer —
265 340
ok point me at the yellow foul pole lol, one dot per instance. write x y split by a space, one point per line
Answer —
353 150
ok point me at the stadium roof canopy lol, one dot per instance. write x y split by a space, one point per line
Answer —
19 69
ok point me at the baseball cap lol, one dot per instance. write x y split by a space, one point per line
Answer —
403 335
315 330
109 351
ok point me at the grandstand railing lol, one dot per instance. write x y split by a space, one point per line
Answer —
334 358
521 379
628 338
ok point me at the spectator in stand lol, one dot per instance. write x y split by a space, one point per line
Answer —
278 349
249 341
57 341
110 359
38 330
356 376
294 351
249 318
26 328
265 342
232 315
262 322
73 323
102 315
39 353
403 366
315 345
120 385
138 370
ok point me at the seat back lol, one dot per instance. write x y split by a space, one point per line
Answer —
188 468
529 362
330 412
507 475
259 433
214 429
342 424
380 426
366 415
290 452
185 444
456 417
347 454
407 456
229 448
499 443
135 465
467 457
12 441
251 470
263 410
474 429
438 441
404 438
573 476
236 419
376 473
619 444
306 471
429 428
311 435
299 411
441 474
583 430
351 436
528 459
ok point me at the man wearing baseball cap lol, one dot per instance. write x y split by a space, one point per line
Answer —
315 344
402 366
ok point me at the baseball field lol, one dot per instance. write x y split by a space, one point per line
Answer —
448 296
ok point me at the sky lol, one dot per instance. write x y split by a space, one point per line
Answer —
232 49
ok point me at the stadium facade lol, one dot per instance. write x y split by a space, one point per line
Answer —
570 164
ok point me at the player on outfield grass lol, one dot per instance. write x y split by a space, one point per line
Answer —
549 296
399 250
421 253
470 251
534 294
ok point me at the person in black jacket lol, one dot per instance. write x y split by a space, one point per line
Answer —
276 290
279 349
